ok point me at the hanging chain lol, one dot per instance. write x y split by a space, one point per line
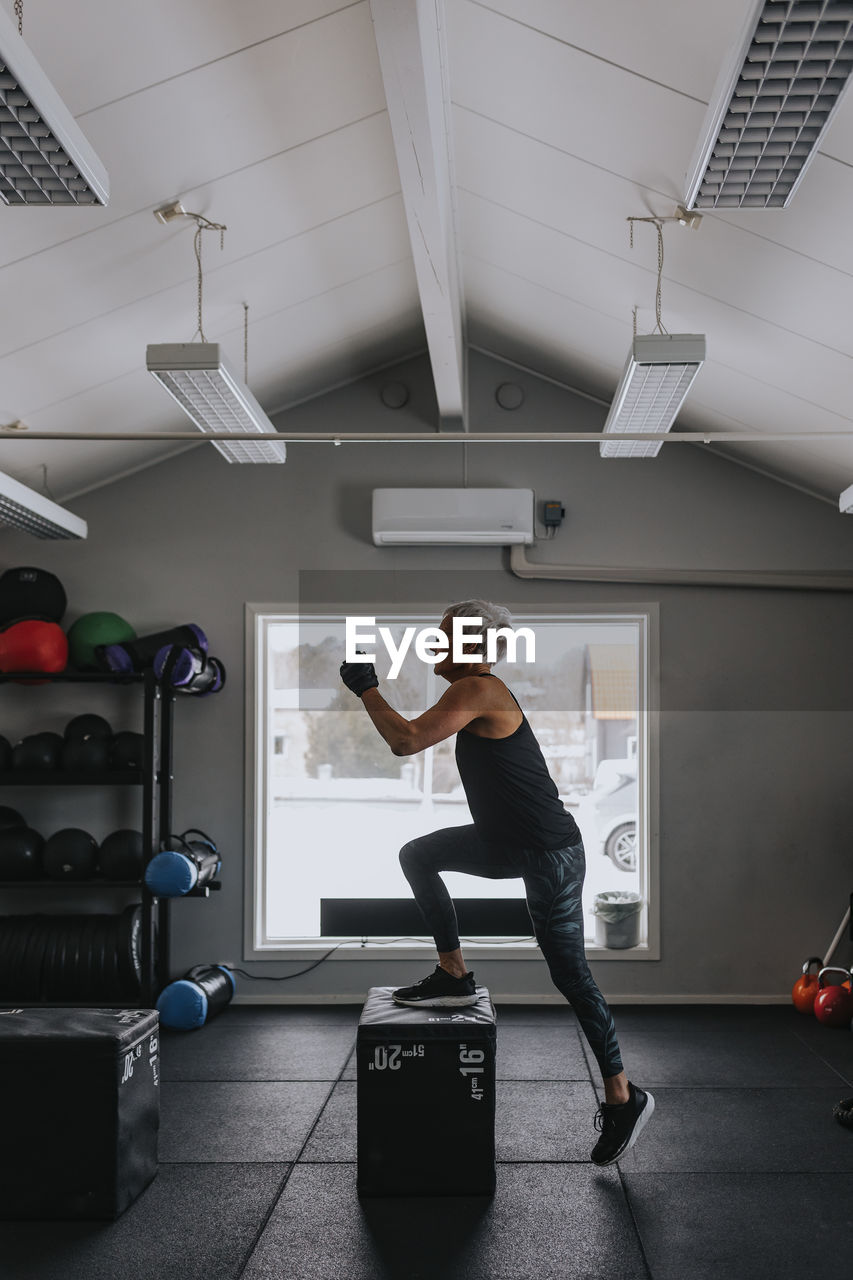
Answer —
658 224
203 224
19 14
246 343
44 483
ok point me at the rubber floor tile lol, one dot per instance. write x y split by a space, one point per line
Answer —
237 1121
750 1058
196 1222
314 1015
539 1014
683 1019
738 1130
534 1121
544 1223
225 1051
747 1226
543 1120
834 1046
540 1053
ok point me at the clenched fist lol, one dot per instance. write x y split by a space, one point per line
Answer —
358 676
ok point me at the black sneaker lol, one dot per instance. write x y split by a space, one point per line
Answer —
439 991
621 1124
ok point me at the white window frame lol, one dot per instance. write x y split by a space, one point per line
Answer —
255 948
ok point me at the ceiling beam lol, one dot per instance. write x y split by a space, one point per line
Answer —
410 38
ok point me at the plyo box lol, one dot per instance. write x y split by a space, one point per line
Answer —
81 1113
426 1098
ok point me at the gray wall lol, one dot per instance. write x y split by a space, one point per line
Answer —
756 748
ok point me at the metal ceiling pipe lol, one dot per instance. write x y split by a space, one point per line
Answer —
434 437
778 579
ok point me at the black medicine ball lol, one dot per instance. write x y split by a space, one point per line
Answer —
88 755
120 857
30 593
128 751
70 854
37 751
20 849
5 753
87 726
10 818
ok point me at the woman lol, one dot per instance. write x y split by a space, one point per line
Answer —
520 830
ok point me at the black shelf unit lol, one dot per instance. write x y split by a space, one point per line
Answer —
71 778
155 782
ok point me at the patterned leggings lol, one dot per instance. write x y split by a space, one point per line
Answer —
553 880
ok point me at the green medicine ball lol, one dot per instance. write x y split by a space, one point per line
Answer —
91 630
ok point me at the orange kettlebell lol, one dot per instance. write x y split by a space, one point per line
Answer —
806 988
833 1005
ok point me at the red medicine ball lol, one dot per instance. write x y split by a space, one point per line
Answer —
33 646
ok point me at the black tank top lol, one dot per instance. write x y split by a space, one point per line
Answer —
512 797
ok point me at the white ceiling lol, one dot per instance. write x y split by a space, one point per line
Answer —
271 117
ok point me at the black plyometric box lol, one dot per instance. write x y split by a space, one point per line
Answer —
81 1110
426 1098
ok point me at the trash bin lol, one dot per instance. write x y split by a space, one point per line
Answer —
617 919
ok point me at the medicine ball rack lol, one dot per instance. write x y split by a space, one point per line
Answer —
155 781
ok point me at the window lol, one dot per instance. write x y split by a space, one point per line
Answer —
333 805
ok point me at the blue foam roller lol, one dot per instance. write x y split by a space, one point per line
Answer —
171 874
189 1002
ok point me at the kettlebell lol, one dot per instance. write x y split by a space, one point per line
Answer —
833 1006
806 988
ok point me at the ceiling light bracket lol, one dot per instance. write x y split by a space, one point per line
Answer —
168 212
687 218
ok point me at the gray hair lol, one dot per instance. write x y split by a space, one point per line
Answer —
493 615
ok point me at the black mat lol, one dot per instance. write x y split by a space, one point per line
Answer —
274 1050
742 1172
545 1221
195 1221
746 1226
238 1121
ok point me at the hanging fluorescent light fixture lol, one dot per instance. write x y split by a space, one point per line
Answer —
44 157
657 377
772 104
660 371
23 508
199 379
845 501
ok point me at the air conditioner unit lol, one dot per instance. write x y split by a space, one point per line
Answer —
444 517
